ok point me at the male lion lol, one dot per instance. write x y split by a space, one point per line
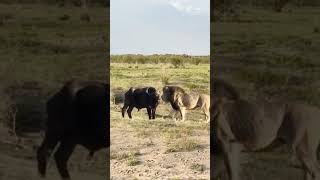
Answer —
219 90
181 101
256 125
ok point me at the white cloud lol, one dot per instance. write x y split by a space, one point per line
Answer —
188 6
184 7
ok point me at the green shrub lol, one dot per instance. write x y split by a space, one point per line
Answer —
177 62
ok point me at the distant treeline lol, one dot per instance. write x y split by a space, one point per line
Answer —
176 60
59 2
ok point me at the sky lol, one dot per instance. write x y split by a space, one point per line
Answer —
160 27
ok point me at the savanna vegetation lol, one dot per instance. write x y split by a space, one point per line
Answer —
41 47
231 7
268 54
160 148
176 60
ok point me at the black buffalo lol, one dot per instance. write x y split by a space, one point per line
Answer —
139 98
77 114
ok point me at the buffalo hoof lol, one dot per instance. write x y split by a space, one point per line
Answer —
42 175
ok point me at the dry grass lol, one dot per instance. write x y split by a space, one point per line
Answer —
158 140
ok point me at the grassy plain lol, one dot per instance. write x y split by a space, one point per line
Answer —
160 148
41 47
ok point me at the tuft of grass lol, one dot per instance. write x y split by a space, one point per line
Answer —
183 145
119 156
177 132
124 155
197 167
132 160
164 76
165 79
144 133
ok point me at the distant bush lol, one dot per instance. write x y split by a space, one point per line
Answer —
23 104
177 62
197 61
140 59
85 17
64 17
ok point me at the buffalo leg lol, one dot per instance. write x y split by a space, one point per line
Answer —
149 112
62 156
129 110
44 152
153 112
124 108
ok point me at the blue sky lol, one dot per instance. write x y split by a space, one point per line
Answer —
160 27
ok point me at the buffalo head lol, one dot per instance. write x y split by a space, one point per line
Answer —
154 94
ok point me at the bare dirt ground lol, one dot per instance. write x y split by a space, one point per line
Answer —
263 166
144 153
18 161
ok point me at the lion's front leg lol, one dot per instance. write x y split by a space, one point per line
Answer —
208 118
231 155
183 113
207 115
173 114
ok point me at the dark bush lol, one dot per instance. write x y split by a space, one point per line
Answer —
177 62
64 17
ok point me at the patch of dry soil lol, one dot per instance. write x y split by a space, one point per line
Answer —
153 160
19 162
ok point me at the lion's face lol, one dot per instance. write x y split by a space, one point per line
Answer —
166 94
